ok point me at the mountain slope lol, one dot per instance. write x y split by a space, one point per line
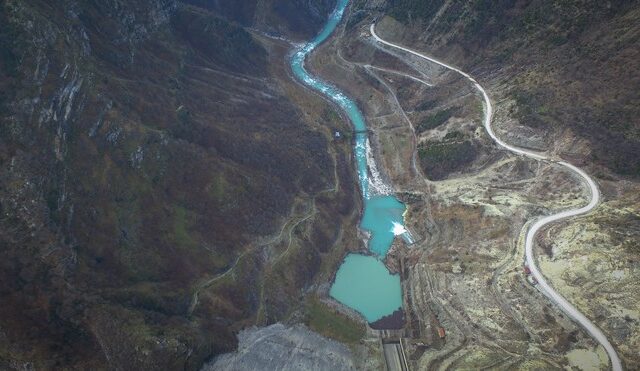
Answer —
569 63
147 148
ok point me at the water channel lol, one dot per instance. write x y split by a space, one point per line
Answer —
362 281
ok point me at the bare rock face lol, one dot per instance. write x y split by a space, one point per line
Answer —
279 347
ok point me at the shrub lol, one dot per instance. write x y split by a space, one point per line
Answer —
437 119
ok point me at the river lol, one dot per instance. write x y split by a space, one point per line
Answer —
362 281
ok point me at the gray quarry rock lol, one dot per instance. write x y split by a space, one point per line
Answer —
278 347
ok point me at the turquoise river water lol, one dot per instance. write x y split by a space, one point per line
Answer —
362 281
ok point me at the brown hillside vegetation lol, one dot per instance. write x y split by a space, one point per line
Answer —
147 149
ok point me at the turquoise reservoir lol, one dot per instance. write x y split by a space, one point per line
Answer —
379 215
377 292
364 284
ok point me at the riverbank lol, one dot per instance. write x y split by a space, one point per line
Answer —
377 293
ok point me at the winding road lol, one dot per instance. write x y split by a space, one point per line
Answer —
543 285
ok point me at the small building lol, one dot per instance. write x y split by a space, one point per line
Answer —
532 280
441 333
527 270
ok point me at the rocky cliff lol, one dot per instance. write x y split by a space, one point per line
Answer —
159 176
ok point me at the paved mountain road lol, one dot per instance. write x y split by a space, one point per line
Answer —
543 285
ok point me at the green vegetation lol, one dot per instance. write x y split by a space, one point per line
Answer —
426 105
219 188
355 18
51 199
331 116
181 225
184 116
437 119
453 136
446 152
530 108
298 17
326 321
10 41
220 41
9 37
438 159
405 10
